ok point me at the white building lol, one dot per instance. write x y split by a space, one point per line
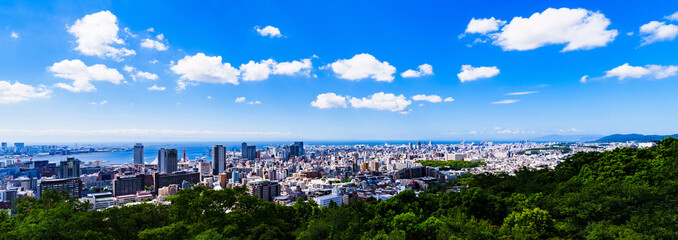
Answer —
100 201
325 200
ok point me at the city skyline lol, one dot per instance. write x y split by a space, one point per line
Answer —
139 72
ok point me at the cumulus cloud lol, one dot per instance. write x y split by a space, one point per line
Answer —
202 68
423 70
673 17
240 99
655 31
329 100
153 44
584 79
507 101
449 99
99 103
18 92
14 35
82 74
578 29
363 66
382 101
428 98
469 73
97 35
521 93
484 25
257 71
140 74
268 31
156 88
648 71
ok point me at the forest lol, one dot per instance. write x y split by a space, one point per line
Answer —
627 193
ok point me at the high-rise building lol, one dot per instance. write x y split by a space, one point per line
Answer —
128 185
138 153
218 159
167 160
18 146
69 168
301 148
264 189
243 150
4 145
71 185
164 180
236 177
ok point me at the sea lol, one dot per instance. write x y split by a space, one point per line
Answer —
198 150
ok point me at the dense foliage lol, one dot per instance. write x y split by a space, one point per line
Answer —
627 193
451 165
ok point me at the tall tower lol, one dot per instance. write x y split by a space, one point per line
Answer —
243 151
167 160
138 153
69 168
218 159
301 148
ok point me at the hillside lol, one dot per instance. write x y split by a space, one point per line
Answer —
633 137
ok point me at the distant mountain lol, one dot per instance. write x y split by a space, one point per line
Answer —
568 138
633 137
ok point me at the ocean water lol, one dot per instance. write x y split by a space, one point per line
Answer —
199 149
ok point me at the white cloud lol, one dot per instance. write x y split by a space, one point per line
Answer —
154 61
294 67
160 36
424 70
484 25
508 101
329 100
82 74
14 35
157 45
253 71
521 93
156 88
428 98
18 92
99 103
243 100
579 29
584 79
449 99
96 33
140 74
382 101
363 66
649 71
655 31
469 73
201 68
673 17
269 31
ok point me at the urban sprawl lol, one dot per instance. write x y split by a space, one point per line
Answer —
326 174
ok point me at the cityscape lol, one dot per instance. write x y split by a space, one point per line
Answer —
282 174
342 120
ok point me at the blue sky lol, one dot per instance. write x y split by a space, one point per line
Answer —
81 70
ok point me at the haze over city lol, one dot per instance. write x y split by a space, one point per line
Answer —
83 71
